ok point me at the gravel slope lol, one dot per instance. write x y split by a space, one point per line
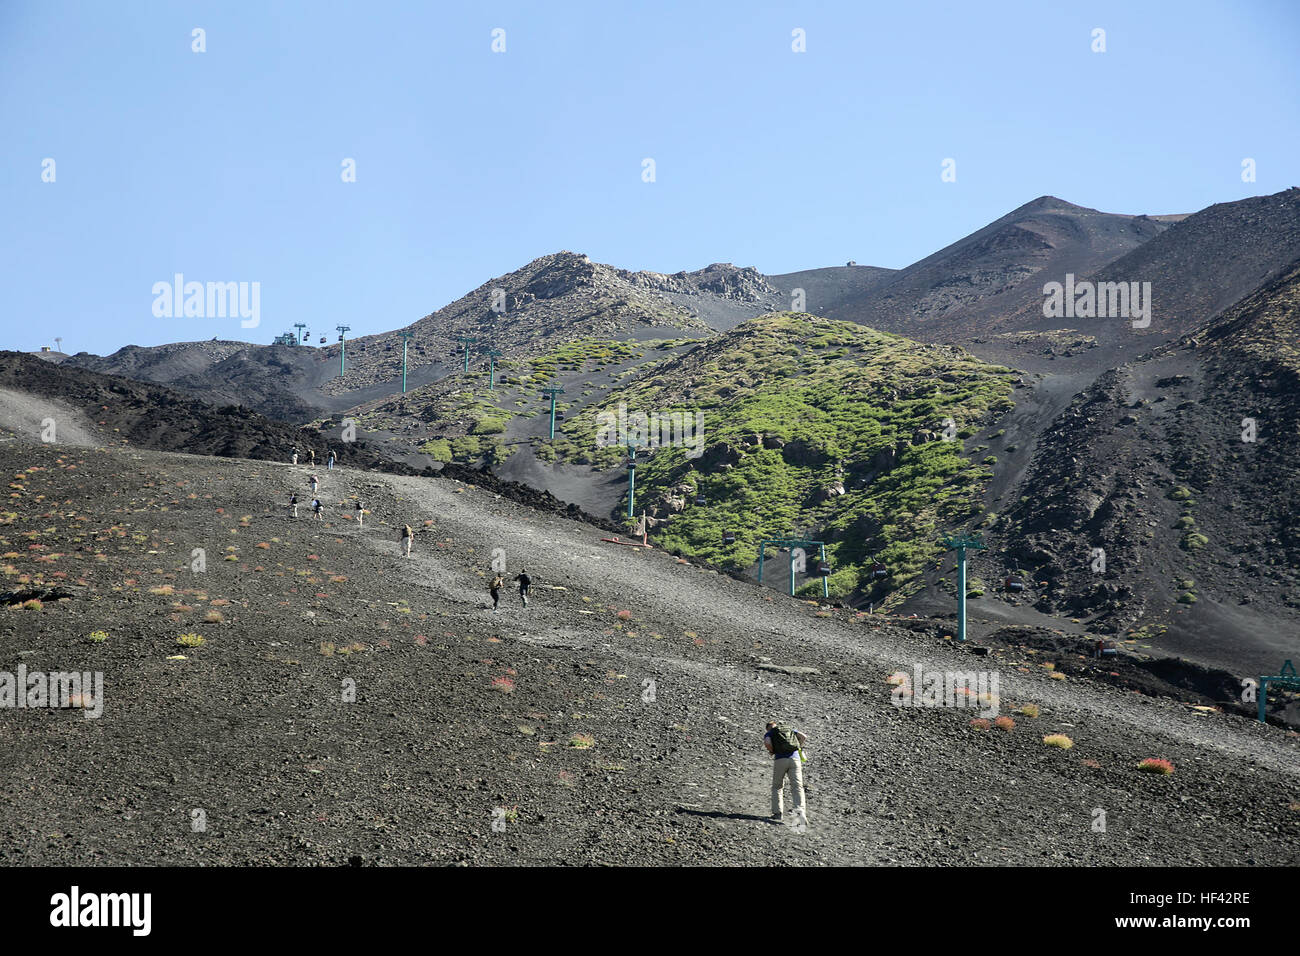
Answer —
251 728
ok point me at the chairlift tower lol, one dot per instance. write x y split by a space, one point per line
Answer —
793 543
631 478
961 543
492 354
465 341
552 391
1287 677
405 337
343 352
300 326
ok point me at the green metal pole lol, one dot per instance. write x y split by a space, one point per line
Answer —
492 371
403 364
631 487
791 572
552 415
761 546
467 357
961 594
1263 700
343 354
826 587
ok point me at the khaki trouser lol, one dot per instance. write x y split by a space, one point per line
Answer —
780 767
408 547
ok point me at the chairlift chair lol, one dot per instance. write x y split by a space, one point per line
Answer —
699 500
728 537
823 568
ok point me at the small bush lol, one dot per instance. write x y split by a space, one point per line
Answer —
582 741
1187 598
1004 723
1156 765
191 640
979 723
1058 740
1029 710
97 637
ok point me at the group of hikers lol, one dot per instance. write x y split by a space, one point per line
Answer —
317 508
406 535
330 460
783 743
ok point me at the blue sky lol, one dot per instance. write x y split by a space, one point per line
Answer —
225 165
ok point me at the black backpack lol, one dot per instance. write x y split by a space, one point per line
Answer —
784 742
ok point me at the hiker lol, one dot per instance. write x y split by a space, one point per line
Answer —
785 744
407 536
361 516
525 582
293 459
312 453
329 462
293 503
316 509
494 589
315 483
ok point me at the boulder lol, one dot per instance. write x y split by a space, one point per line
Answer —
803 452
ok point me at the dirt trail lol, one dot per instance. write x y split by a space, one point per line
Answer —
852 723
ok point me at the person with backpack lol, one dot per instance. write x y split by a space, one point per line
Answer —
293 459
407 537
525 582
494 589
312 452
361 515
315 483
329 462
293 504
317 509
785 744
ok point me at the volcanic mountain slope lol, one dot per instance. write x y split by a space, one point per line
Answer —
547 304
1197 268
825 290
964 289
279 381
1182 467
805 427
113 410
323 700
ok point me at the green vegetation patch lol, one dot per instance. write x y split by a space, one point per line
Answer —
809 428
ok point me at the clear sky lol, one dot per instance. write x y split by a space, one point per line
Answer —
226 165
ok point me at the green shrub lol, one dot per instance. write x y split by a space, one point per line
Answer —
439 449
